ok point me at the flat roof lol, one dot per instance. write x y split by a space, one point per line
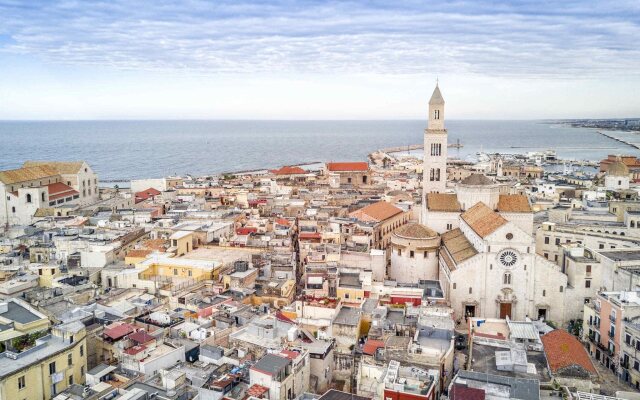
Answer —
624 255
18 313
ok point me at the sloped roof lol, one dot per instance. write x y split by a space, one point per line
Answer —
416 231
347 166
371 346
565 350
287 170
443 202
458 246
477 180
482 219
376 212
62 167
139 253
618 168
514 203
59 190
436 96
118 331
26 174
141 337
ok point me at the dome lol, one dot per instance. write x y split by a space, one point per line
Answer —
477 180
416 231
618 168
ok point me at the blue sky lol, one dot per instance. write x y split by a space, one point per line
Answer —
318 59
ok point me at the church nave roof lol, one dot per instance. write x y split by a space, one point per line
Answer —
482 219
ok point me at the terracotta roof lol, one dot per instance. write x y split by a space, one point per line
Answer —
376 212
155 244
286 170
309 235
62 167
148 193
256 390
416 231
118 331
371 346
59 190
132 351
283 221
443 202
482 219
458 248
26 174
141 253
477 180
347 166
514 203
141 337
618 168
563 350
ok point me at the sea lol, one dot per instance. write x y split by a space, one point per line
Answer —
124 150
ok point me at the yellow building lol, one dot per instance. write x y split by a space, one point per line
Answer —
181 242
46 275
18 319
161 265
44 366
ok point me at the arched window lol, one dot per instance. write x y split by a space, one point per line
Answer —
506 278
28 198
42 196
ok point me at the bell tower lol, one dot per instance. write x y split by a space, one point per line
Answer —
435 147
434 178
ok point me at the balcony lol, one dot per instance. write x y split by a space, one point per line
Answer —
612 334
624 363
612 318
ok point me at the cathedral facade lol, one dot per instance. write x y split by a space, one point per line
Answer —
487 264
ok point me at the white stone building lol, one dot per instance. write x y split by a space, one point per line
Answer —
414 254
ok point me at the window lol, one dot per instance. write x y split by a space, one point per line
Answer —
21 383
191 272
411 254
436 114
454 285
449 227
426 254
13 210
346 295
601 246
557 241
70 359
636 365
546 255
509 236
627 339
544 293
561 289
470 290
506 278
28 198
399 252
42 195
82 370
588 269
52 368
587 283
70 380
81 350
175 271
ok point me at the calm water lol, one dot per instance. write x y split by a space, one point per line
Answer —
137 149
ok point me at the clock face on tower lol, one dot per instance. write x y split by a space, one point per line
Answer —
508 258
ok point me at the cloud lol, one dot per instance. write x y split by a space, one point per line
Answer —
522 38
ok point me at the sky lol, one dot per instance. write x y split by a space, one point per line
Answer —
124 59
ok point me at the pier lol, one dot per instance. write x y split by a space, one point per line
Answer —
634 145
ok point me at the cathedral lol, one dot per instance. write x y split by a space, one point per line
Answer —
487 264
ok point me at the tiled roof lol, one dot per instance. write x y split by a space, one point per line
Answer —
118 331
347 166
256 390
443 202
139 253
376 212
286 170
60 190
416 231
477 180
371 346
132 351
564 350
482 219
458 248
148 193
141 337
62 167
26 174
513 203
